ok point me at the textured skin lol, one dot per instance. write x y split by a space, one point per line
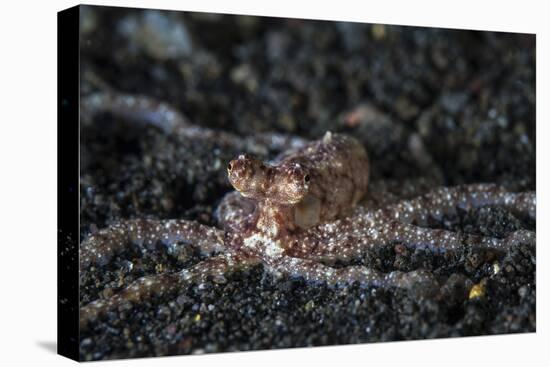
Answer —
298 215
317 183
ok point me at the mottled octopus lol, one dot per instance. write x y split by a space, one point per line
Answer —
297 215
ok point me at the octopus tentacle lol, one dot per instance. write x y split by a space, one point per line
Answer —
439 240
234 212
99 248
143 288
329 246
349 238
316 272
294 215
137 108
162 285
445 201
147 111
392 191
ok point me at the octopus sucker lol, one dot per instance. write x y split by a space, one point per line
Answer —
307 208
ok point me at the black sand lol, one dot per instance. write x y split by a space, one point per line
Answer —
469 96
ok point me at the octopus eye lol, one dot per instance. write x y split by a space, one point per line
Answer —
229 166
306 178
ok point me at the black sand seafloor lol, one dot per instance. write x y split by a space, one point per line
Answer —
467 97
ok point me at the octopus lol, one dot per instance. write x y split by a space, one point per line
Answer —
298 215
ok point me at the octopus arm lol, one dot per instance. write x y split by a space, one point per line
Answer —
142 289
136 108
149 287
315 272
446 201
351 242
439 240
391 191
234 212
349 238
147 111
99 248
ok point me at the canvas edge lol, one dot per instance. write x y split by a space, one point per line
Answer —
68 182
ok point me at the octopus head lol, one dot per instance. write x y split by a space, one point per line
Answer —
291 184
248 175
285 185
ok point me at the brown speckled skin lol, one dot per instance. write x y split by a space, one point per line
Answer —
317 183
295 216
338 167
